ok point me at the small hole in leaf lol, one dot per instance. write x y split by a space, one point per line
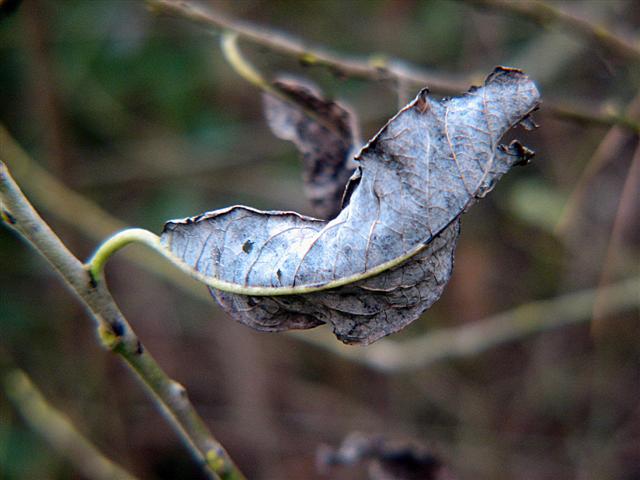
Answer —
247 246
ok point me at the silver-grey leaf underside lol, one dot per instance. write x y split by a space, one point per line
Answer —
387 255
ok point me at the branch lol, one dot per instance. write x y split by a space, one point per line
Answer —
56 428
507 327
608 150
605 117
376 66
622 218
115 332
545 14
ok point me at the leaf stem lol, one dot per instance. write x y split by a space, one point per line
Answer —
80 212
96 263
229 47
244 68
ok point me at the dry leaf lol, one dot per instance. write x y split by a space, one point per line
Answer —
325 132
387 459
388 254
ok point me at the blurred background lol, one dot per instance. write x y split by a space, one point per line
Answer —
140 114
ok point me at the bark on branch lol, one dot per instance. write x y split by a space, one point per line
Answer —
375 66
114 330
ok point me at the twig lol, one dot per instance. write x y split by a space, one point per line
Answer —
599 116
56 428
377 66
545 14
115 332
624 212
608 150
374 66
507 327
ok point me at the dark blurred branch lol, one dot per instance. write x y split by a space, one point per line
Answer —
56 428
477 337
114 330
546 14
377 67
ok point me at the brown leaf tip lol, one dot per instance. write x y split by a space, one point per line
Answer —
518 150
422 102
499 75
504 73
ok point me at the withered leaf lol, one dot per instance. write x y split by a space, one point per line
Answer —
387 459
388 254
325 132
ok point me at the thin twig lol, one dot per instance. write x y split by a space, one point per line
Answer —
628 198
597 116
374 66
477 337
115 332
377 66
56 428
545 14
608 150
